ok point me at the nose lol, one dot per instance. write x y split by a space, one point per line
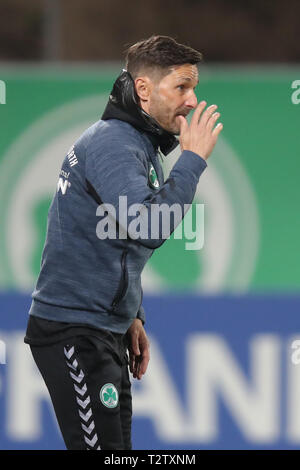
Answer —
191 102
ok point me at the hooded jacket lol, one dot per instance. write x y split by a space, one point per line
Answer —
94 253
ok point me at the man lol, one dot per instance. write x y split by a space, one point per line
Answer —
87 305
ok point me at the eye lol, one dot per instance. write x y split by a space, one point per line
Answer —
181 87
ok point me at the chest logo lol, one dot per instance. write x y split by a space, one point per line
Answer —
153 180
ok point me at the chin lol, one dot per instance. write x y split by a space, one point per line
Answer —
175 130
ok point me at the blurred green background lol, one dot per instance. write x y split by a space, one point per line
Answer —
250 189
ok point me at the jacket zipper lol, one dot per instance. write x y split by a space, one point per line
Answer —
123 282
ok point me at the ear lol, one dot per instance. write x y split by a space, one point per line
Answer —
143 86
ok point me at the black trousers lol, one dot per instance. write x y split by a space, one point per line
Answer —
88 381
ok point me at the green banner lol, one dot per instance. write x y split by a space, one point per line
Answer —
250 189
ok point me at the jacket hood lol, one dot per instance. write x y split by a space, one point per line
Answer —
123 105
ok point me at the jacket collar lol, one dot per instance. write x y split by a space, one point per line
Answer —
123 105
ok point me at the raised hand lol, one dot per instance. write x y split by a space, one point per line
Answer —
202 134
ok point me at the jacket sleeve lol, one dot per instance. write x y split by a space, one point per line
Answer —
141 315
117 169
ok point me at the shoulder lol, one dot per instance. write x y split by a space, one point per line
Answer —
111 135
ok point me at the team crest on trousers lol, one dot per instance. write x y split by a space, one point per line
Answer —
109 395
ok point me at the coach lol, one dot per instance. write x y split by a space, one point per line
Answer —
87 305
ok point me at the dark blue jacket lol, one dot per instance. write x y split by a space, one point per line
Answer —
94 281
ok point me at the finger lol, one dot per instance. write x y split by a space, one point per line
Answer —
138 366
183 124
144 360
134 368
207 114
217 130
143 365
136 374
212 120
197 113
135 344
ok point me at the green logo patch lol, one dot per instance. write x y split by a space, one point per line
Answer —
109 396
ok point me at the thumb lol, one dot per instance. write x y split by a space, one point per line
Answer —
183 124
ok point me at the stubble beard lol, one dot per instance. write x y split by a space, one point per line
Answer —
163 116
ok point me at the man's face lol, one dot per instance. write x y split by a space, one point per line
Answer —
174 95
